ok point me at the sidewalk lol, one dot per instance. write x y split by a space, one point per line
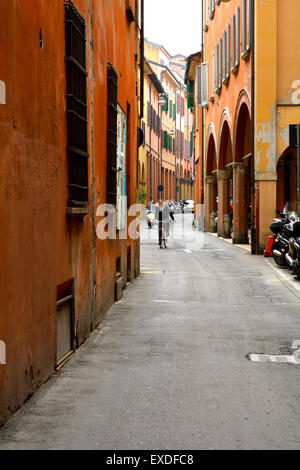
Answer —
229 240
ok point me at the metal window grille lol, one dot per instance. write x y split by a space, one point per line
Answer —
112 129
76 106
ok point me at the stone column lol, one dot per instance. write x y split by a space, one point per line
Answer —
240 205
210 198
223 198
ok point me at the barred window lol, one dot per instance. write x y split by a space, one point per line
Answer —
112 131
76 106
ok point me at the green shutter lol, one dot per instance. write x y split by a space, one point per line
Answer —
166 105
190 94
191 145
174 112
171 109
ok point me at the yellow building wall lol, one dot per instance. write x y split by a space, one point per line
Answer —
277 96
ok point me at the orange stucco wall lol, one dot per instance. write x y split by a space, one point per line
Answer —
40 248
226 105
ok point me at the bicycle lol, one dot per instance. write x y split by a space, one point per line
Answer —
162 234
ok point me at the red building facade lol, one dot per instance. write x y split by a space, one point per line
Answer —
69 74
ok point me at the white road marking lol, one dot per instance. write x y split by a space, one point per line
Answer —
279 358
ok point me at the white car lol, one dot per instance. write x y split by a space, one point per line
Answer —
189 205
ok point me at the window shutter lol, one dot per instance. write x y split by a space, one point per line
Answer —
202 84
212 75
212 8
190 94
223 56
216 66
237 36
112 129
232 41
198 84
243 27
166 105
174 112
228 51
220 64
248 22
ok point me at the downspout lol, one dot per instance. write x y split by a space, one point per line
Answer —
92 169
253 199
142 68
202 112
142 62
150 145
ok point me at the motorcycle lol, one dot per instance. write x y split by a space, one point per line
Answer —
281 228
293 254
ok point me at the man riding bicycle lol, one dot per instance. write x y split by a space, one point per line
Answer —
163 214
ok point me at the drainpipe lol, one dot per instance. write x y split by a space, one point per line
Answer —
142 62
202 112
176 175
253 202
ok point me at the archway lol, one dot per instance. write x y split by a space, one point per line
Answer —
211 186
225 181
177 182
242 176
287 181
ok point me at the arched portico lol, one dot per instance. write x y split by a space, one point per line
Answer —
224 179
242 173
211 186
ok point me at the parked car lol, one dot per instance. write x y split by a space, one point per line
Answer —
189 205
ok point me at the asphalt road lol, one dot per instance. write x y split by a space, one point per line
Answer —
168 367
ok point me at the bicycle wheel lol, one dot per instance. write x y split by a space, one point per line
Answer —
160 235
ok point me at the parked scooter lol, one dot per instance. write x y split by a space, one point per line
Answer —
293 255
150 219
282 237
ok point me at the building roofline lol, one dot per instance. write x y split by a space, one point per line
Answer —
192 57
154 78
168 70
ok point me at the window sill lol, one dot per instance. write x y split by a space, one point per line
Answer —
76 212
245 56
226 81
235 69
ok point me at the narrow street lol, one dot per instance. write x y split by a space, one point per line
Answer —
168 367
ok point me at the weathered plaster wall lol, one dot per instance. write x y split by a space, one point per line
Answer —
40 248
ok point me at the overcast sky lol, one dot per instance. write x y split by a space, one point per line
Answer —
175 24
